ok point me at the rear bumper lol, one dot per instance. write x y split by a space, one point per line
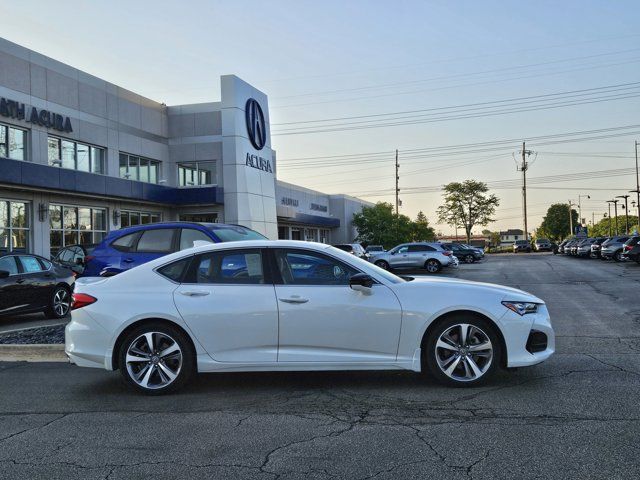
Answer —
86 342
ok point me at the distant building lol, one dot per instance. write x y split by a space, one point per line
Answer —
510 236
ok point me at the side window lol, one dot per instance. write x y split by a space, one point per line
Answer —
227 267
156 241
30 264
46 264
8 264
126 243
175 270
190 235
404 249
421 248
304 267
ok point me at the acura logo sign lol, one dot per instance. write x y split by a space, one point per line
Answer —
255 124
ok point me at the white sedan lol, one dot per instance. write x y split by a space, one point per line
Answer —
286 305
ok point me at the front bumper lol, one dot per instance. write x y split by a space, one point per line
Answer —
518 337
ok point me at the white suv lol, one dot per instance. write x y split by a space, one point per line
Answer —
430 256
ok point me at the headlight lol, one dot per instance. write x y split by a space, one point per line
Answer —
521 308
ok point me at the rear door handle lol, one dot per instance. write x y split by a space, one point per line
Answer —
195 293
128 260
294 300
20 280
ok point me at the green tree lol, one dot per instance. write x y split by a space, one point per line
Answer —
601 229
420 229
467 204
555 224
379 225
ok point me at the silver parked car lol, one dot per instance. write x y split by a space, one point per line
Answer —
430 256
612 248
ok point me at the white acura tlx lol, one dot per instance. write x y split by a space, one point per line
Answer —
286 305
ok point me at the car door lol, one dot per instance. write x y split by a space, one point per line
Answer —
399 257
11 298
151 244
228 301
37 283
419 254
323 320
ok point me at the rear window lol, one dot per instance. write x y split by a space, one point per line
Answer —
235 234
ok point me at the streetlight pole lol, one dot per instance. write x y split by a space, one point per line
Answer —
637 186
615 210
609 202
626 211
580 207
571 204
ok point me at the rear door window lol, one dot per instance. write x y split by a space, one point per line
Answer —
30 264
158 240
227 267
126 243
190 235
8 264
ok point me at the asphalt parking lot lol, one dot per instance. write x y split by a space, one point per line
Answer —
575 416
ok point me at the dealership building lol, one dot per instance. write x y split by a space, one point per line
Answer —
80 157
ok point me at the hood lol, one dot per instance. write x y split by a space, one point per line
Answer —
506 293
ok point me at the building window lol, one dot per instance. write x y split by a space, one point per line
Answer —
192 174
75 156
71 225
129 218
139 168
14 226
12 142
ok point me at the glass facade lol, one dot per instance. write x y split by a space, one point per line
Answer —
129 218
192 174
12 142
71 225
75 156
139 168
15 222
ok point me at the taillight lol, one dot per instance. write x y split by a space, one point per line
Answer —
80 300
88 258
446 253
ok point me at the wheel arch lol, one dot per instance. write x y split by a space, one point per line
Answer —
473 313
138 323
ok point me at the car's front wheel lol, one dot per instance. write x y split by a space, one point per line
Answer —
432 265
60 302
156 358
469 259
382 264
462 351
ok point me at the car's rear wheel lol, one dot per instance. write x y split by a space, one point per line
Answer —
469 259
60 302
382 264
156 358
432 265
462 351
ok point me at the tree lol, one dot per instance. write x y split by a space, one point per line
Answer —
601 229
420 229
555 224
379 225
467 204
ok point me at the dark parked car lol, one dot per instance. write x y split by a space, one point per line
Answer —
29 283
634 253
129 247
75 257
560 248
628 246
463 253
583 248
595 246
521 246
542 245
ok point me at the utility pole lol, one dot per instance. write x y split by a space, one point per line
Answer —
626 211
397 183
571 204
523 168
609 217
637 187
615 208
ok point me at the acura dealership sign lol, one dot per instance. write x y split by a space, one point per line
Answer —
256 128
44 118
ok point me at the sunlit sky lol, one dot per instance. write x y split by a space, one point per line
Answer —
331 60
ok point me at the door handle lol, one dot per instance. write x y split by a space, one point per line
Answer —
128 260
195 293
294 300
20 280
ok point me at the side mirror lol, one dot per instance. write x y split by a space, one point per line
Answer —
361 282
4 274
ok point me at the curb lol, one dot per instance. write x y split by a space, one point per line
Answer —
33 353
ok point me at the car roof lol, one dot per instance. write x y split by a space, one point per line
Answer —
150 226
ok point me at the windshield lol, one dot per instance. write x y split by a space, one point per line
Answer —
233 233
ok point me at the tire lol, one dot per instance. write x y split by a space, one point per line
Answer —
438 360
469 259
59 303
432 265
617 256
382 264
154 373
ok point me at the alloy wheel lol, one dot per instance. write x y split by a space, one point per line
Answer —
468 259
432 266
154 360
382 264
61 302
464 352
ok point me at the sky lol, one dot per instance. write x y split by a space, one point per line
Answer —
351 82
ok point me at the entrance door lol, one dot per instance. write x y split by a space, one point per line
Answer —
296 234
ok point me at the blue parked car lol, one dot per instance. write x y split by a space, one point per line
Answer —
129 247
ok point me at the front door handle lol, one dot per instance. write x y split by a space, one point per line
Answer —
195 293
128 260
20 280
294 300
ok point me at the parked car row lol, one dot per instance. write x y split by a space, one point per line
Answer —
618 248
